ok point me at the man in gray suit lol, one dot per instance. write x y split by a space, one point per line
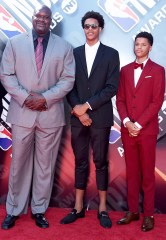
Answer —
36 113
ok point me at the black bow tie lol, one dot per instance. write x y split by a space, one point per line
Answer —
137 65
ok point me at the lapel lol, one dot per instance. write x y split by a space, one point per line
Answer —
130 76
47 54
51 43
83 60
30 49
144 73
98 57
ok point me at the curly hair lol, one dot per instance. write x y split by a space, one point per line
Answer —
95 15
146 35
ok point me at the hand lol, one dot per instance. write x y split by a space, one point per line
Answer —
35 101
133 129
85 120
80 109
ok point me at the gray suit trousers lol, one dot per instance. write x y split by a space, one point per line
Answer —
32 167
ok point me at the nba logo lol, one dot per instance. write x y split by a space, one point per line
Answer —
8 25
114 134
5 138
120 13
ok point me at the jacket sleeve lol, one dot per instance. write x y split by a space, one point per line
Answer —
66 80
157 99
8 75
121 97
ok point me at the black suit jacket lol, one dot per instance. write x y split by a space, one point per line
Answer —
98 88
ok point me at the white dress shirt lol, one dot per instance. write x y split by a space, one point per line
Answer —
137 72
90 54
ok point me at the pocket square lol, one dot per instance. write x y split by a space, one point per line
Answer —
148 76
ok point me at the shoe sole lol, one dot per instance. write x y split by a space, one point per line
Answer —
123 223
63 222
146 230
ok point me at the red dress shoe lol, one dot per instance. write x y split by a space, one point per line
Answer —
128 218
148 224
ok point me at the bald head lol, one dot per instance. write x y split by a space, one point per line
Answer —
41 20
44 8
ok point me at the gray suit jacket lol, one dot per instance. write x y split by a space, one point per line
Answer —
19 77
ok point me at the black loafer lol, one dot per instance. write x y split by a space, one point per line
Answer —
73 216
9 222
40 220
104 219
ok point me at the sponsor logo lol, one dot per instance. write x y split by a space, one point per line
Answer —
120 13
69 6
114 134
8 24
125 13
5 138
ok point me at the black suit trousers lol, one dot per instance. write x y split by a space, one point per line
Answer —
98 138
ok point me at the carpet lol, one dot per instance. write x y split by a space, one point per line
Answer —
87 228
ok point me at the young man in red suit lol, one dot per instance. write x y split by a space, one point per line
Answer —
139 99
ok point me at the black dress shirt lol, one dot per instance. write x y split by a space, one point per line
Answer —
45 41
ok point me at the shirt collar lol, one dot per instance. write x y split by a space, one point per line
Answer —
144 62
94 47
35 35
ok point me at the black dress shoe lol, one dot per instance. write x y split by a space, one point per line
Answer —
148 224
9 221
73 216
104 219
40 220
128 218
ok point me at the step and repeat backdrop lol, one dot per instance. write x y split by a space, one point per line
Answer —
123 20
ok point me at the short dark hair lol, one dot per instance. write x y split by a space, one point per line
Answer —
95 15
145 35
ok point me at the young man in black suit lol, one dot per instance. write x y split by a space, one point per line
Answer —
97 77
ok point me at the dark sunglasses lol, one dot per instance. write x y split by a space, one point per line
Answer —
93 26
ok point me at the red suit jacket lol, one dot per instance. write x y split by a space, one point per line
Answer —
143 102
